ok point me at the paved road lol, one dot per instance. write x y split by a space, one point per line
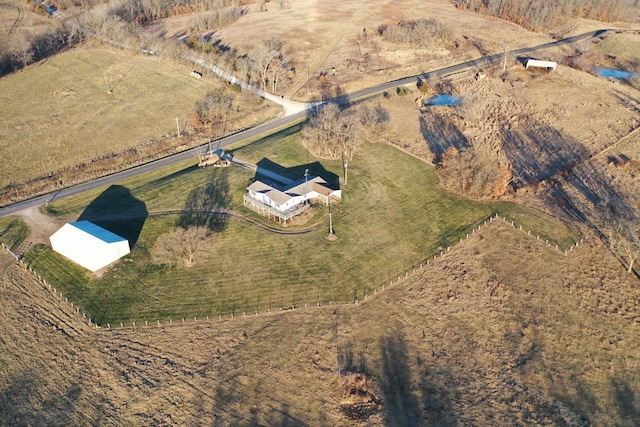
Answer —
443 72
266 128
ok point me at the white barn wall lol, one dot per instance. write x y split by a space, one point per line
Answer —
86 249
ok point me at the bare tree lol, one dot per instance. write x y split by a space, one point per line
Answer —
535 14
330 133
261 58
623 238
374 121
473 172
180 246
629 247
215 106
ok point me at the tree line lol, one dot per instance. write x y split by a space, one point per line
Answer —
417 33
539 14
17 53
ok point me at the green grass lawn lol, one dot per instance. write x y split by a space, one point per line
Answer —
13 231
393 216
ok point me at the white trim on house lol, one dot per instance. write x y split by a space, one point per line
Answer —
286 201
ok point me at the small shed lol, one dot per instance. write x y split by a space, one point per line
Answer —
89 245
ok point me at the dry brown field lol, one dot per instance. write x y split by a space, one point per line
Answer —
18 21
503 330
93 104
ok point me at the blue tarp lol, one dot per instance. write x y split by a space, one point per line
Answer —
446 100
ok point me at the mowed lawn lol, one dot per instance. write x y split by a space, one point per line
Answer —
393 217
87 103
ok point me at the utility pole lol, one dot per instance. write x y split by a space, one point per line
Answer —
504 64
178 126
330 218
346 165
306 185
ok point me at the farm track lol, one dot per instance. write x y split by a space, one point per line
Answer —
18 20
230 214
619 142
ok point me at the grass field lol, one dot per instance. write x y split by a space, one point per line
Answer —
87 103
13 231
100 110
393 216
502 331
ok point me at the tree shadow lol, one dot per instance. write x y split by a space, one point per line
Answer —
206 205
282 417
26 400
348 363
441 134
435 400
118 211
626 402
588 195
401 405
543 154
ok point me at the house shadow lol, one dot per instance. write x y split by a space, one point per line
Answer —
273 173
118 211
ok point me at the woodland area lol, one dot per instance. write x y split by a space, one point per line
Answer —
540 15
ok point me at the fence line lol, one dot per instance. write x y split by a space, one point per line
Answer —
48 285
399 276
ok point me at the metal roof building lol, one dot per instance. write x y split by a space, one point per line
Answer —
89 245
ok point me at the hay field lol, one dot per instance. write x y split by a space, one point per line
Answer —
87 103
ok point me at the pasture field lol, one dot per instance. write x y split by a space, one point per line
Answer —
500 331
90 105
13 231
393 217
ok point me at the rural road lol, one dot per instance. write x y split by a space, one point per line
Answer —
291 116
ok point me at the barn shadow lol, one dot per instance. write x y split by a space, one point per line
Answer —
118 211
271 172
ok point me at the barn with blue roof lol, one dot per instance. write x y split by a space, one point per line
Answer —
89 245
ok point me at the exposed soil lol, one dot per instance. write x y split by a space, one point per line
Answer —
40 225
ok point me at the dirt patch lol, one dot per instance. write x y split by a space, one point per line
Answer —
359 399
41 226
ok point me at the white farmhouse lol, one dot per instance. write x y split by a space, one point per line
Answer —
89 245
282 202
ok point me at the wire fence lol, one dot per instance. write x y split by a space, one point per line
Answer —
361 293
